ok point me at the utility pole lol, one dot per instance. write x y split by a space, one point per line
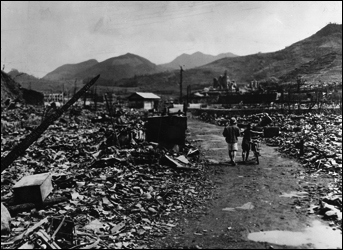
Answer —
181 70
187 101
188 93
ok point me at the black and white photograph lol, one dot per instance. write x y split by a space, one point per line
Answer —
171 124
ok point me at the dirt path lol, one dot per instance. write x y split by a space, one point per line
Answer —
247 198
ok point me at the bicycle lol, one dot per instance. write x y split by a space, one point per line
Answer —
255 148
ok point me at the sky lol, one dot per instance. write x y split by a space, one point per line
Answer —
38 37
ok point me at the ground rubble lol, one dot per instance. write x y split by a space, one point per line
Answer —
111 187
320 153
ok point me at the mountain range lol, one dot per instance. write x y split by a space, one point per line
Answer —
69 71
126 66
194 60
317 58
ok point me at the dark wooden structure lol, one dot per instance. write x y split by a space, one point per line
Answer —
167 130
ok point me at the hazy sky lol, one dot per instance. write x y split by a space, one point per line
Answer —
37 37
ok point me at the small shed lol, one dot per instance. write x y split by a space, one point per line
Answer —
143 100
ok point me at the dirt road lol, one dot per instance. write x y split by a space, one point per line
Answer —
252 206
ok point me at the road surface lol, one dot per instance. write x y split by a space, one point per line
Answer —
252 206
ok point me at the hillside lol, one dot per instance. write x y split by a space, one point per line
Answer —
124 66
194 60
9 88
22 77
316 58
68 71
71 77
110 70
264 65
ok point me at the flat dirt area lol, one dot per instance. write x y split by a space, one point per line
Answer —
252 206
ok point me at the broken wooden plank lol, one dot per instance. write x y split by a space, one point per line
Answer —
30 230
28 206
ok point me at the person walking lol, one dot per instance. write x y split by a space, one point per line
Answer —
231 133
248 143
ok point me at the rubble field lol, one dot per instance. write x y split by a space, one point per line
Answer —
113 189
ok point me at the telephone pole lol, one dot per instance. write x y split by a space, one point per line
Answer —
181 70
188 93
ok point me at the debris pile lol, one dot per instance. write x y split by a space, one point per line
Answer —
114 188
315 140
242 121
